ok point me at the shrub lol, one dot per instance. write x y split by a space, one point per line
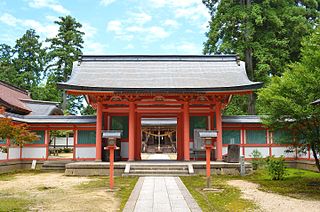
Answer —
67 150
257 159
276 168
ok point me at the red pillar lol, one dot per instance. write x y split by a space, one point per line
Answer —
186 131
98 131
138 138
131 130
219 128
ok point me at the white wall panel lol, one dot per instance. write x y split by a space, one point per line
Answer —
3 156
124 149
224 150
33 152
14 153
263 150
278 151
85 152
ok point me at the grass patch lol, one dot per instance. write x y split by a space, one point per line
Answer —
229 199
11 175
297 183
124 185
14 204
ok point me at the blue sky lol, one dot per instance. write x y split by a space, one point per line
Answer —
113 26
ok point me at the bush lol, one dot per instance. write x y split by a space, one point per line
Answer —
276 168
67 150
257 159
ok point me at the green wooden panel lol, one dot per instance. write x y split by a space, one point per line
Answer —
256 136
120 123
40 133
231 136
197 122
282 136
86 137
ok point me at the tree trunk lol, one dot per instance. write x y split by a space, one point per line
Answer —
250 72
64 100
313 148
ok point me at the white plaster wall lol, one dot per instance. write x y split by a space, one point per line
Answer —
224 150
263 150
14 153
63 141
302 155
311 154
85 152
124 149
3 156
278 151
33 152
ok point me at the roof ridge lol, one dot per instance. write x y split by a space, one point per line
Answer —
16 88
39 101
159 58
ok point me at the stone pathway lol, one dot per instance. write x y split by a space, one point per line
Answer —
163 194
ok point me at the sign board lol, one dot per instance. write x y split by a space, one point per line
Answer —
208 134
111 133
34 164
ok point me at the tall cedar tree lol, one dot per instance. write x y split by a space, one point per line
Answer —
287 99
66 48
7 71
265 33
29 60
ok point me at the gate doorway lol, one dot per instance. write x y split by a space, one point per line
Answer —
159 138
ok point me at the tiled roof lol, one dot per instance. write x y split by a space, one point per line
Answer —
179 73
10 98
44 108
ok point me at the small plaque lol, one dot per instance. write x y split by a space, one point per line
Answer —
208 134
34 164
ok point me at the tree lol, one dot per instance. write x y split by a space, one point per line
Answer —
66 48
265 34
286 101
7 71
18 133
29 60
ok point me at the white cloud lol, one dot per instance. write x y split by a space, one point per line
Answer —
129 46
193 13
106 2
174 3
140 18
94 48
171 23
47 30
114 26
9 19
182 48
51 4
89 31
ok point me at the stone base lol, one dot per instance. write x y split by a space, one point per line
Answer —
11 166
302 164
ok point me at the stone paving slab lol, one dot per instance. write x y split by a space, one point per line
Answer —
167 194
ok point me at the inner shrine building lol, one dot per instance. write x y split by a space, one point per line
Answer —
127 90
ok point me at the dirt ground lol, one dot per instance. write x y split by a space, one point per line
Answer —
56 192
271 201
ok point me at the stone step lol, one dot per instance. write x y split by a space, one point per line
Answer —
157 174
159 171
55 165
157 168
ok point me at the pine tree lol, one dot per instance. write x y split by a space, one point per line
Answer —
66 48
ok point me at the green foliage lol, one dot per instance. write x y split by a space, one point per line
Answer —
301 184
257 159
286 101
30 66
276 168
265 34
88 110
66 48
229 199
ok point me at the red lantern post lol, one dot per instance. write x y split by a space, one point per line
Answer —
111 167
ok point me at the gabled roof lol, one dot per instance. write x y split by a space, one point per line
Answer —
17 100
44 108
10 98
160 73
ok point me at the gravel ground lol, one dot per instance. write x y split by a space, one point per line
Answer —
271 201
56 192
